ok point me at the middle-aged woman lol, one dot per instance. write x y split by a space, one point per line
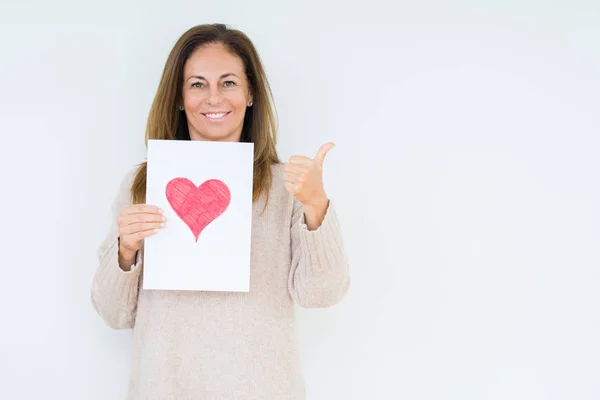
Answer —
223 345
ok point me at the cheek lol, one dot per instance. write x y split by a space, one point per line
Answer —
238 100
192 100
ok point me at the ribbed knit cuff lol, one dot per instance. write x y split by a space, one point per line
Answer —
323 247
112 278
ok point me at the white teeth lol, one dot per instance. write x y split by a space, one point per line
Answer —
219 115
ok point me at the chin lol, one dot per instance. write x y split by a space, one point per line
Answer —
216 135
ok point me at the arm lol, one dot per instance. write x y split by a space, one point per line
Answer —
319 274
114 291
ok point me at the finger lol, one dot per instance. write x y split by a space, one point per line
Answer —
296 169
320 157
300 160
294 178
141 208
291 187
130 219
138 236
141 227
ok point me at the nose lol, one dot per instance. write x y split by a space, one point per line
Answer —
214 96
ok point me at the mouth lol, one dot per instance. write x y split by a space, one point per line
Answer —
216 116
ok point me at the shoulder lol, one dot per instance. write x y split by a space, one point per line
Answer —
129 176
278 183
277 169
127 180
278 195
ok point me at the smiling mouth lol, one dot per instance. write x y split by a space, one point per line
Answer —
217 116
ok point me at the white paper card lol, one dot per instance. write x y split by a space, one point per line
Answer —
205 190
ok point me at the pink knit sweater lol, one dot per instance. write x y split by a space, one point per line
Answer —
226 345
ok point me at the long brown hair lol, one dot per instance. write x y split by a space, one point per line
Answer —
166 122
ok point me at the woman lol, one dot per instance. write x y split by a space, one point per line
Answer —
223 345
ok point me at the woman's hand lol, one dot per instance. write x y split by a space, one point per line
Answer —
304 179
136 223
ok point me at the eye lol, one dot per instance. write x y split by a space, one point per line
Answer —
229 83
197 85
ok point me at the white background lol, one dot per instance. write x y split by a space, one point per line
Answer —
466 176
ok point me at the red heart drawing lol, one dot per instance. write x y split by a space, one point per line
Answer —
198 206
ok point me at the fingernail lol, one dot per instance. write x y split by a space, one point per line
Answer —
162 225
160 210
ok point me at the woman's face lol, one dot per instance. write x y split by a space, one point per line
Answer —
215 94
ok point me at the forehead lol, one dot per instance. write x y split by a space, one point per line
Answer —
212 60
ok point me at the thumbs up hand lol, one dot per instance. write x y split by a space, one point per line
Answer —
303 178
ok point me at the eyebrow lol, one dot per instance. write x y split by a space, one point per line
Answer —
221 77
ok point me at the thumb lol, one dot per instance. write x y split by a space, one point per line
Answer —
320 157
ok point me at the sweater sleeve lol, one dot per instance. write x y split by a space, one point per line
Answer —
114 292
319 275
